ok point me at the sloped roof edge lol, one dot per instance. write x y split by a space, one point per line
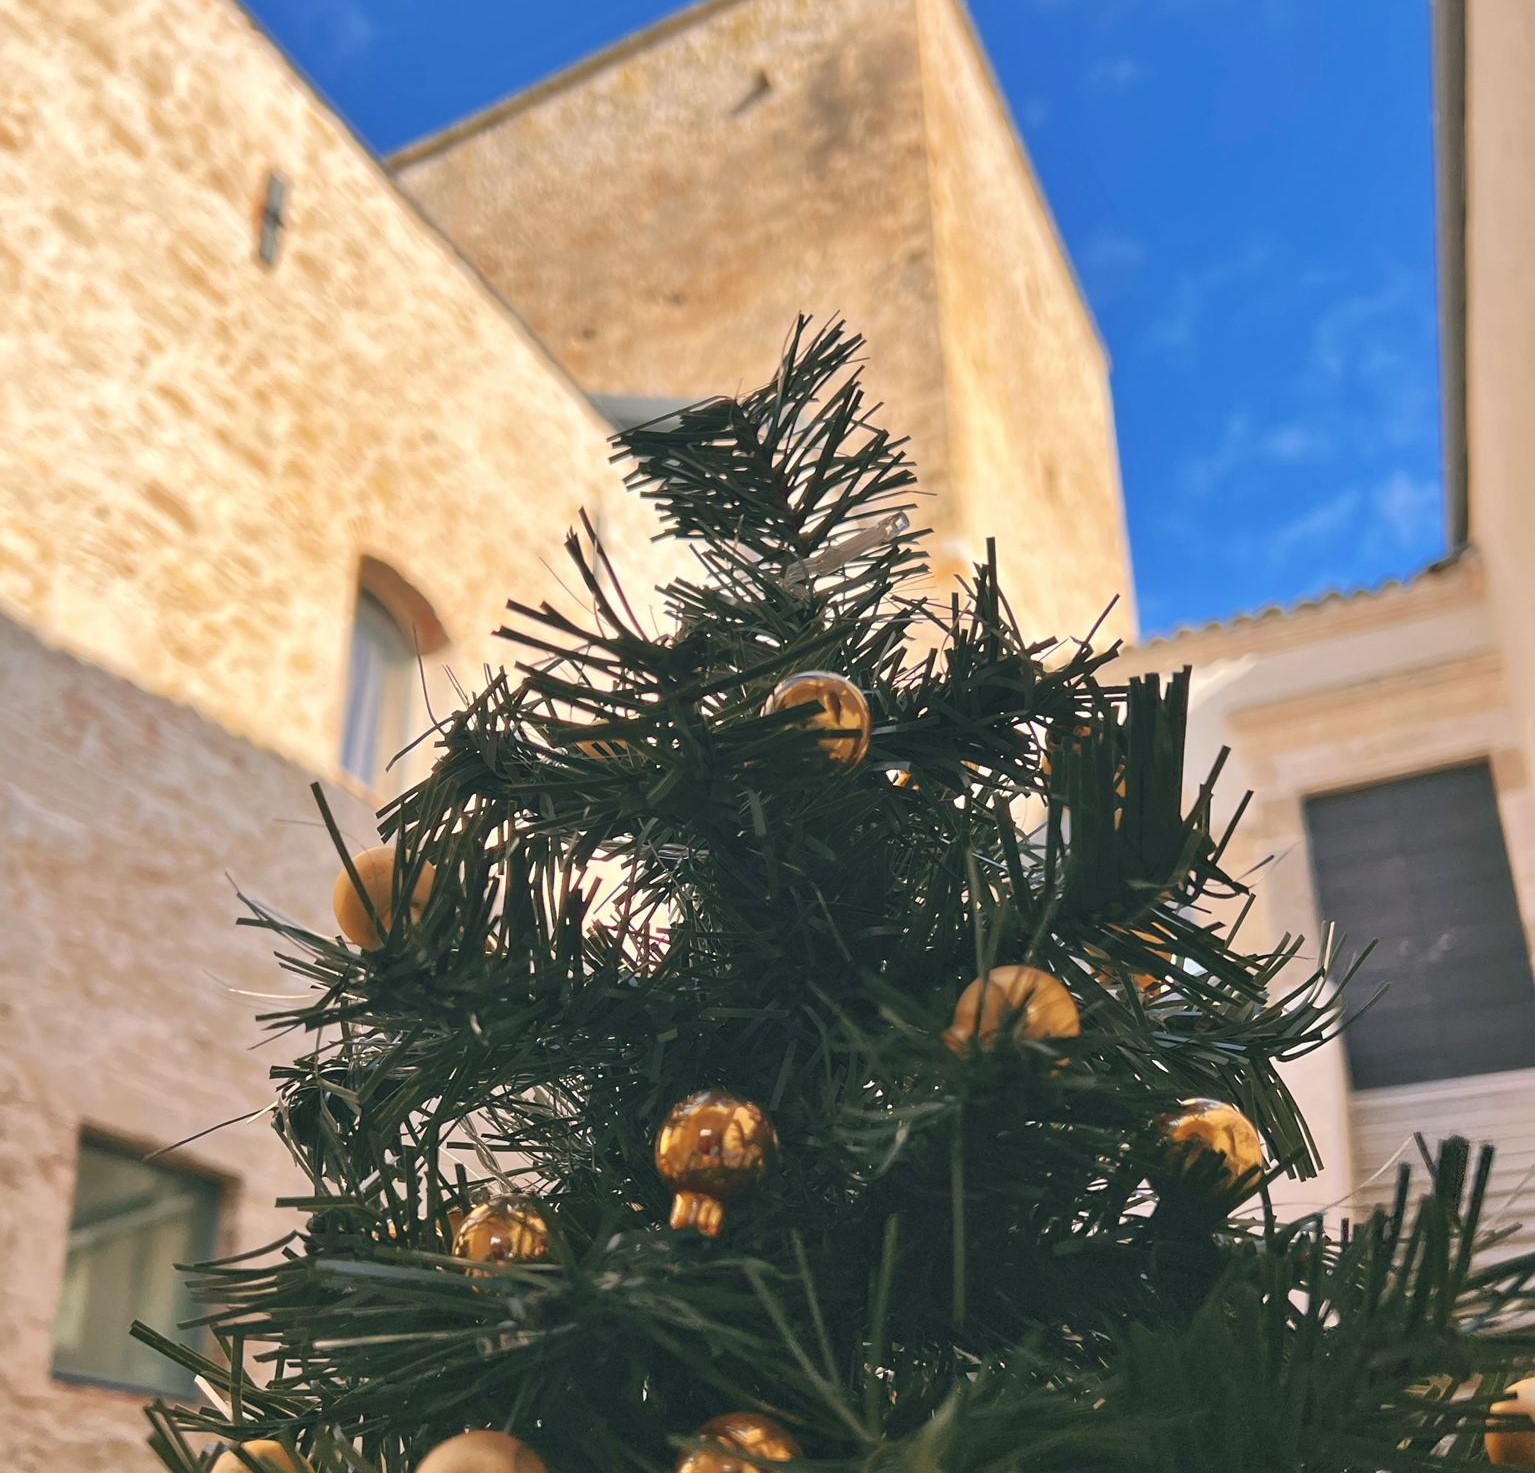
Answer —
412 206
1020 147
1275 614
579 71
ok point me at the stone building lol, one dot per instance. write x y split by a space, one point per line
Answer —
1389 736
272 426
851 157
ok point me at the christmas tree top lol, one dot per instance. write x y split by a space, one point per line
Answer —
809 1033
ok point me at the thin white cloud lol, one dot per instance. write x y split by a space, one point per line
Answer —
1173 330
1203 473
1319 524
1409 508
343 27
1347 326
1295 442
1243 445
1035 114
1114 73
1377 347
1108 250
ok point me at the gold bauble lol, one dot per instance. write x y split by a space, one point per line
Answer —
482 1452
375 868
1210 1125
1055 738
503 1230
604 749
263 1453
746 1440
1513 1447
993 1003
712 1146
843 716
1153 984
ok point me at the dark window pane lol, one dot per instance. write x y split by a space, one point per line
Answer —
1420 866
132 1222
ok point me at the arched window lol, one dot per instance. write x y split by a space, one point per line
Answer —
393 625
380 686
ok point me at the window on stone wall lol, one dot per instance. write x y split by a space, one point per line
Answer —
1420 864
132 1221
392 626
380 683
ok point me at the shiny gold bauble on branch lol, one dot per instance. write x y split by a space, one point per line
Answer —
746 1440
1514 1446
1022 1000
1152 984
269 1456
482 1452
1210 1125
712 1146
1055 738
503 1230
833 706
375 868
605 749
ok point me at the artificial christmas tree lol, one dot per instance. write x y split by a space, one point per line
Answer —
804 1033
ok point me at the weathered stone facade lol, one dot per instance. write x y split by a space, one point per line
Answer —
660 214
196 452
196 449
128 999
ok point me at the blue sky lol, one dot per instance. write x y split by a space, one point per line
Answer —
1246 187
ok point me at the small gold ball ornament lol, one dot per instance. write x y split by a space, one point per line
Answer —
843 716
1513 1447
1210 1125
604 749
1152 984
712 1146
1057 738
746 1440
375 868
1035 1005
503 1230
482 1452
264 1453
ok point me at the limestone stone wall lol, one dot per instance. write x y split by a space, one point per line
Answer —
128 997
1500 323
661 213
1032 455
197 449
660 216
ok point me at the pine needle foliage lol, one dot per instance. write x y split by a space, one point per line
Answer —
973 1263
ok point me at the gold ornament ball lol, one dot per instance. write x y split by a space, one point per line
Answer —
482 1452
843 716
1153 984
746 1440
604 749
375 868
1055 739
1210 1125
503 1230
1035 1005
264 1453
712 1146
1512 1447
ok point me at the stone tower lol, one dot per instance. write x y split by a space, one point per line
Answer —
659 213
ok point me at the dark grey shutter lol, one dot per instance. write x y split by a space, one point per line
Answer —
1421 866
